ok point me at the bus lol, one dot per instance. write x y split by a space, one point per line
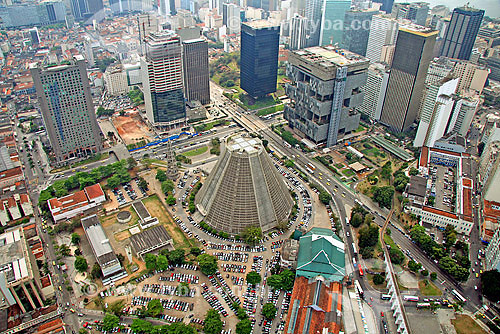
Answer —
411 298
458 296
354 249
423 305
359 289
385 296
311 166
360 271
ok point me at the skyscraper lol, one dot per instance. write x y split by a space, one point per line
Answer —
147 23
416 12
325 89
63 93
231 18
167 7
313 14
298 31
412 56
34 36
436 111
332 21
195 70
386 5
461 33
357 30
383 31
259 57
375 88
161 68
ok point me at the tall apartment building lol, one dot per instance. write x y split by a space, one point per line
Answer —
146 23
115 80
489 166
416 12
466 105
326 87
68 113
375 88
357 30
259 57
436 112
313 13
412 56
461 33
298 32
195 70
383 32
231 18
161 68
332 21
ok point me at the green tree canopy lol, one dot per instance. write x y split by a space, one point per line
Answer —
378 279
490 286
150 260
383 196
253 277
244 327
274 281
213 322
155 307
252 235
81 264
110 321
170 200
207 263
176 256
269 311
357 220
161 175
161 262
75 238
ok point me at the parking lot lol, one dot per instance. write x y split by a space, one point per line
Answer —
443 187
127 193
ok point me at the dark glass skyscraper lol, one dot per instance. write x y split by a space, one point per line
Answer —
412 56
461 33
195 70
386 5
259 57
357 30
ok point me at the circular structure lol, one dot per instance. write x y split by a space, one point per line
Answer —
124 217
244 189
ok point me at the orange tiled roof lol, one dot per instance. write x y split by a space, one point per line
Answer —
423 156
490 212
440 212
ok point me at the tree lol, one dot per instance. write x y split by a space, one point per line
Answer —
170 200
434 276
274 281
414 266
167 186
324 197
253 278
378 279
357 220
117 307
241 313
176 256
367 252
81 264
64 250
155 307
131 162
75 238
182 289
141 326
195 251
161 262
269 311
244 327
96 272
413 171
252 235
109 322
207 263
383 196
397 256
213 322
143 183
490 286
287 279
150 260
425 272
161 175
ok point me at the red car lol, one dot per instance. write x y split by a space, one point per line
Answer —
85 325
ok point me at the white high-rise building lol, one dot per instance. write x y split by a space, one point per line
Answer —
383 31
231 18
376 85
463 113
115 79
436 111
298 31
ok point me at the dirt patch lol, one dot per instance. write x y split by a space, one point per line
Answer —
132 128
120 236
157 209
466 325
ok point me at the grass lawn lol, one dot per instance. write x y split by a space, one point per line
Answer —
348 172
360 128
261 102
339 166
196 151
428 288
97 157
466 325
157 209
270 110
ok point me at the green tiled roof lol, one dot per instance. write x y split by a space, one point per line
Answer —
321 252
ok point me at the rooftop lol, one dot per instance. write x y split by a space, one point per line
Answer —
150 239
321 252
417 186
247 144
12 261
260 24
98 240
329 56
418 30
